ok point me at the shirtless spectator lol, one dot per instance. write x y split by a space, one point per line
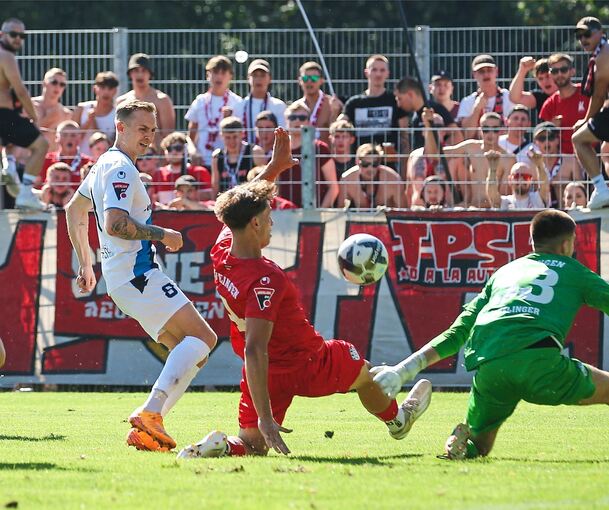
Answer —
258 100
98 114
48 105
409 97
488 98
515 140
374 113
534 99
370 184
342 138
186 196
149 162
441 89
140 73
523 180
561 168
290 181
151 191
266 122
430 160
574 196
323 107
208 109
68 139
98 144
14 128
491 125
175 147
567 105
56 190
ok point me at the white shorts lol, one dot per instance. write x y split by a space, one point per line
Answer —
151 299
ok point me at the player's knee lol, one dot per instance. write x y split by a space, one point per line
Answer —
208 336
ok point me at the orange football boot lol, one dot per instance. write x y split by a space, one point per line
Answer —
141 440
152 423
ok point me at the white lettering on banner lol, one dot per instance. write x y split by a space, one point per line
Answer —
185 269
210 310
105 310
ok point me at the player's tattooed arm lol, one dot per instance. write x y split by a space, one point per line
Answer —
120 224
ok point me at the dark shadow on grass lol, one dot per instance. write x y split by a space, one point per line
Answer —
356 461
548 461
48 437
39 466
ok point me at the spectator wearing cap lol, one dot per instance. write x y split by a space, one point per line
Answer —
98 114
69 151
324 108
342 138
594 127
541 72
49 110
186 195
515 140
369 183
208 109
561 168
409 97
441 89
98 144
374 112
266 122
176 148
259 99
529 185
488 98
140 73
567 105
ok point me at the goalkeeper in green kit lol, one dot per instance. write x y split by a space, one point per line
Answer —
513 333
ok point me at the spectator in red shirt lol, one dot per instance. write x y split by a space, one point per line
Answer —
186 198
534 99
342 138
567 105
175 146
56 190
149 162
69 137
290 181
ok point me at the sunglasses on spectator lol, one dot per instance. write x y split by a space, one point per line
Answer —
490 129
296 116
563 69
58 83
175 148
14 34
521 176
313 78
585 34
366 164
550 137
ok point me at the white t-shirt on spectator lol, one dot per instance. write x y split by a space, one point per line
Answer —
466 107
532 201
249 107
520 153
104 124
198 112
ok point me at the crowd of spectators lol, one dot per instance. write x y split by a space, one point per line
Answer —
409 146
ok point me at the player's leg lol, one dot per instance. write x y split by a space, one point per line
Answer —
584 141
26 199
2 354
600 379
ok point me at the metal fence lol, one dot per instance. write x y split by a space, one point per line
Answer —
179 55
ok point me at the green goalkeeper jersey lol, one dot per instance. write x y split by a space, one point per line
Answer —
524 301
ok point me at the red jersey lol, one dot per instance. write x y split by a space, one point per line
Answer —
572 109
259 288
74 162
166 176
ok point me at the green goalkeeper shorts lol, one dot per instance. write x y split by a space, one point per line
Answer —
540 376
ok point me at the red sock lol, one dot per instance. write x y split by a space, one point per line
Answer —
390 413
236 446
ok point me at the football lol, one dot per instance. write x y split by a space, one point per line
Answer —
362 259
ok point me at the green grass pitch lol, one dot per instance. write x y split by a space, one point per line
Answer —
67 451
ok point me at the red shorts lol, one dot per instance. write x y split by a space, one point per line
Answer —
333 370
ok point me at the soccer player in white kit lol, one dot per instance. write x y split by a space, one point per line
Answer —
122 212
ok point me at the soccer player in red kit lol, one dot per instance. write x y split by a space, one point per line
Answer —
284 356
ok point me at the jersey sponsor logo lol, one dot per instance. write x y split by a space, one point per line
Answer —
120 188
263 295
581 107
354 354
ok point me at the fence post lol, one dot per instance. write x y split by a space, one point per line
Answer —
422 52
120 47
307 165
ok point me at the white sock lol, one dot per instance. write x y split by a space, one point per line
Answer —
400 418
179 390
187 354
599 183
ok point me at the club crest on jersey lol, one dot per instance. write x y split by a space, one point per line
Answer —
120 188
265 280
121 174
263 295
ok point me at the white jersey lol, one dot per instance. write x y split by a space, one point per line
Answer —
531 201
114 183
104 124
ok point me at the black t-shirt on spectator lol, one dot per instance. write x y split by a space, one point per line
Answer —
540 98
372 116
341 168
417 122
